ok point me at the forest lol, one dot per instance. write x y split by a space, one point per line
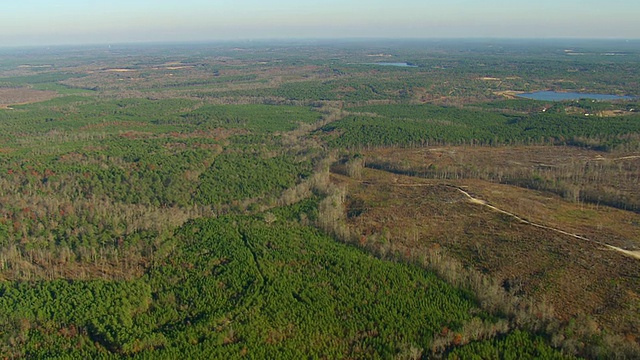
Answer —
279 200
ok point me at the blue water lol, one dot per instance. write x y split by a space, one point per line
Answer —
560 96
398 64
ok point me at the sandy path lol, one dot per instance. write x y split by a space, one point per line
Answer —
632 253
473 200
630 157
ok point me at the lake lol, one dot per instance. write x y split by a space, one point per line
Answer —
398 64
561 96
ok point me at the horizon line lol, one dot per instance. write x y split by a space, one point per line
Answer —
314 39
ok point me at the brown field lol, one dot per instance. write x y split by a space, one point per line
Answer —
550 249
579 175
509 94
19 96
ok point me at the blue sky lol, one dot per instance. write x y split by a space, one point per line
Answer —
50 22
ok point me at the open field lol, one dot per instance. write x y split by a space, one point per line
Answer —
18 96
577 174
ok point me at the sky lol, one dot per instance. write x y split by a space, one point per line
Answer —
61 22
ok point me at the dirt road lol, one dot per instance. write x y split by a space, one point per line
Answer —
634 254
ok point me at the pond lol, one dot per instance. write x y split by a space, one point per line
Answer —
398 64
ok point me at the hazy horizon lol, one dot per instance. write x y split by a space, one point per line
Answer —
75 22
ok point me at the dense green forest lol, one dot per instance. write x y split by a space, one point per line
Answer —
256 286
419 125
179 202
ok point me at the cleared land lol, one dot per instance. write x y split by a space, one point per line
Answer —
577 174
570 255
18 96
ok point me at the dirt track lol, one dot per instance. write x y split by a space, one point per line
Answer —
634 254
631 253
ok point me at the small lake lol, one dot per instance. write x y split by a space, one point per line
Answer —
398 64
561 96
